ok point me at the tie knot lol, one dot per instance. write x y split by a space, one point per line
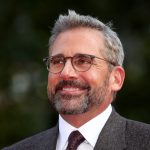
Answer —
74 140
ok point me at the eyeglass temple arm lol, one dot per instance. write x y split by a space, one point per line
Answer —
105 60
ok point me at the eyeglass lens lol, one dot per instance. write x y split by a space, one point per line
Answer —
80 63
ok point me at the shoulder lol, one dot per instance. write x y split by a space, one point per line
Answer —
139 127
132 128
137 134
39 141
133 134
135 128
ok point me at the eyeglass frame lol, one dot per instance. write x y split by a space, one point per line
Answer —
64 58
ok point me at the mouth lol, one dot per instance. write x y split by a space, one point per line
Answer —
71 87
70 90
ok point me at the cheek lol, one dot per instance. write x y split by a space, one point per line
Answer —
52 79
95 77
92 78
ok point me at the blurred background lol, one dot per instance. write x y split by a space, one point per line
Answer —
24 32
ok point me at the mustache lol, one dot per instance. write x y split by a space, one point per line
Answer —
72 83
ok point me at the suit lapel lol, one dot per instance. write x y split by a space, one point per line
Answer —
53 138
112 135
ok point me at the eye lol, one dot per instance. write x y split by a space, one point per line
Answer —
56 61
83 61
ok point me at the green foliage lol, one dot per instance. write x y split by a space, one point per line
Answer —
24 32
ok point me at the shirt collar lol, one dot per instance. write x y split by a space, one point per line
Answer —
89 130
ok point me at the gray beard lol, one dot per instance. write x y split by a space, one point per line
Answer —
81 103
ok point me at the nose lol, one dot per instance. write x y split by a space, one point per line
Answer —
68 72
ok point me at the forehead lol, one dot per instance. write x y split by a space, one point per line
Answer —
80 40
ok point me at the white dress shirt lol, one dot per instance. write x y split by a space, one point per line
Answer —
89 130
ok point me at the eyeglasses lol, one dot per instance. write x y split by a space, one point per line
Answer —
80 62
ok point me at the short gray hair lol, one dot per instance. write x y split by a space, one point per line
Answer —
113 51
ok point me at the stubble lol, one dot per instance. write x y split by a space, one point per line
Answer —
77 104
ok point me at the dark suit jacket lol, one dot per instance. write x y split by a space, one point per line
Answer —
118 134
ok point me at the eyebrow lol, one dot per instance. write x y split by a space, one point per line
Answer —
62 55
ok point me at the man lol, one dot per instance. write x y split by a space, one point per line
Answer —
85 72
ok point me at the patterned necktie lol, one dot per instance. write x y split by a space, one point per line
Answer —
74 140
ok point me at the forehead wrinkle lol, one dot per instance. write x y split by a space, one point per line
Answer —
62 55
71 34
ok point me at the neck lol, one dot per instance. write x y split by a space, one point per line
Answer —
80 119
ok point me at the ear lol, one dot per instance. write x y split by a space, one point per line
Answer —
117 78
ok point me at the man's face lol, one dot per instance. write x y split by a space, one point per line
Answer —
72 92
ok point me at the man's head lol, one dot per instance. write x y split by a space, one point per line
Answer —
72 90
113 51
